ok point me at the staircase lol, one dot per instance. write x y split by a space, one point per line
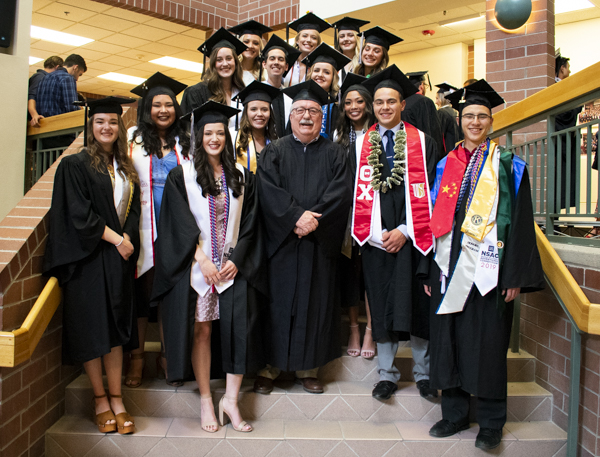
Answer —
343 421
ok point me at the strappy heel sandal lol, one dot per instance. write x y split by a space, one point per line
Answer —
134 381
103 418
368 353
121 418
223 412
353 352
205 425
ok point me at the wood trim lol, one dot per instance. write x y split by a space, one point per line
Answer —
59 122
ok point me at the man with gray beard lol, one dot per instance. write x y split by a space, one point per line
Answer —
305 192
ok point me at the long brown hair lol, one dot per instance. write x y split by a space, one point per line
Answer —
246 130
213 80
344 125
385 59
100 159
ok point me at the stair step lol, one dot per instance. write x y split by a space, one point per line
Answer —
341 401
183 437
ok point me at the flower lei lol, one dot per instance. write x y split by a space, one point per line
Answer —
397 175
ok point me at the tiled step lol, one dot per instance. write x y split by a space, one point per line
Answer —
341 401
183 437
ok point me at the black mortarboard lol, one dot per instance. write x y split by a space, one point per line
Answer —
309 21
291 53
211 112
417 77
251 27
478 93
446 87
108 105
349 23
159 81
308 90
392 78
381 37
325 53
222 39
257 91
351 79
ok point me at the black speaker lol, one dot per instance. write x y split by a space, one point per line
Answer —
8 9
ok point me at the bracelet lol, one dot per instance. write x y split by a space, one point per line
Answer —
120 242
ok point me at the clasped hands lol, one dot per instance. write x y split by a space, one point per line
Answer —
393 241
210 272
307 223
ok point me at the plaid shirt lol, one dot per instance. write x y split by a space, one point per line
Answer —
56 93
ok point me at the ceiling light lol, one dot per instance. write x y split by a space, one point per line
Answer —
34 60
121 78
180 64
41 33
566 6
459 20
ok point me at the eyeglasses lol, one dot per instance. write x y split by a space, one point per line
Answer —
480 117
311 111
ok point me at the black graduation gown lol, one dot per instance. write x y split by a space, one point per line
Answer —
393 282
421 112
97 283
561 122
195 96
278 105
468 349
237 343
304 286
449 127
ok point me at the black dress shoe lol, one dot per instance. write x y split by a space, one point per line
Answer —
384 389
426 391
445 428
263 385
488 438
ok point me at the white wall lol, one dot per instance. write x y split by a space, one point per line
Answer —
579 41
444 63
14 74
479 58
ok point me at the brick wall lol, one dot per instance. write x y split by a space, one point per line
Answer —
32 394
546 333
471 62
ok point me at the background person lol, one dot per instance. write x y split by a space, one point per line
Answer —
50 64
447 117
374 54
250 33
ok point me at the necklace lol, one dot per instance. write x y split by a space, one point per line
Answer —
214 243
397 175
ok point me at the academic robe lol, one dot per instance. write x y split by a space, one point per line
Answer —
281 111
449 127
421 112
394 281
237 335
468 349
304 285
97 283
195 96
564 121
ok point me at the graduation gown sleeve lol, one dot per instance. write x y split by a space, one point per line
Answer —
195 96
420 111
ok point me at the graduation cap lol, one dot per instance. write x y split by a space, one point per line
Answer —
417 77
309 21
351 80
291 53
325 53
381 37
257 91
347 23
159 83
107 105
391 78
308 90
446 87
210 112
220 39
251 27
478 93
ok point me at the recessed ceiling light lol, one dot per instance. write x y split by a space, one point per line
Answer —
34 60
54 36
566 6
460 20
121 78
180 64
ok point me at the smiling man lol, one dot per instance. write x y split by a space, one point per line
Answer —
485 256
390 221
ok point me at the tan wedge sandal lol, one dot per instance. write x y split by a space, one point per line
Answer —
102 419
121 418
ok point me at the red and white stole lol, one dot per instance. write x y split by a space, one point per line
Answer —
200 210
143 165
366 210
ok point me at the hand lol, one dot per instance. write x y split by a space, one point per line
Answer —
300 232
307 223
228 271
511 294
125 248
393 241
35 120
210 272
427 289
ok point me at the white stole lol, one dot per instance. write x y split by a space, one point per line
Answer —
200 210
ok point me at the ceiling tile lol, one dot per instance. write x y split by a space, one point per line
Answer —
476 34
92 72
87 5
117 60
126 14
450 13
109 22
50 22
39 4
105 66
126 40
149 33
90 55
55 49
194 56
60 10
196 33
410 47
167 25
182 41
88 31
446 40
159 48
149 67
105 47
135 55
468 26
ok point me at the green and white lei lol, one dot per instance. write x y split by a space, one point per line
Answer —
399 160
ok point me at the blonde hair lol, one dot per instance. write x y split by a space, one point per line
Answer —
335 81
319 39
256 65
385 59
356 58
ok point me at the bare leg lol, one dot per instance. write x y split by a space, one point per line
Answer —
93 368
354 339
136 362
201 363
230 401
113 364
368 347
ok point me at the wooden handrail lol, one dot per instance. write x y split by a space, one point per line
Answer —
18 345
575 86
585 314
59 122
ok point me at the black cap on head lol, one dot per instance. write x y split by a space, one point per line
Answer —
381 37
325 53
446 87
257 91
211 112
351 79
309 21
108 105
308 90
159 84
291 53
391 78
418 77
222 39
251 27
349 23
478 93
